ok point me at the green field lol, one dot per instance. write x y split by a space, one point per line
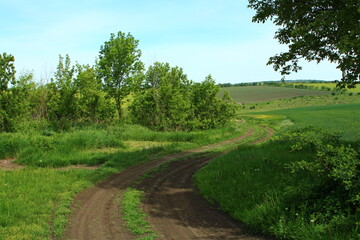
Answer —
341 118
297 102
255 94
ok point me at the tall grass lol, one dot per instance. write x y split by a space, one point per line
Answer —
255 185
34 202
97 146
33 198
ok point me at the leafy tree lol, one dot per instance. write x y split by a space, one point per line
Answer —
209 110
119 61
315 30
22 105
62 101
7 75
169 101
93 103
164 103
7 71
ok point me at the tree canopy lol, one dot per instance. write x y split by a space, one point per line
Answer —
119 62
315 30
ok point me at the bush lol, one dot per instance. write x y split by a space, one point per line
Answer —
337 165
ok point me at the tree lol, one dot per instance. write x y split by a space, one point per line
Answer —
62 102
316 31
7 75
209 110
119 61
92 101
169 101
164 103
7 71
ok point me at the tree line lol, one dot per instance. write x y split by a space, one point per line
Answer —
160 97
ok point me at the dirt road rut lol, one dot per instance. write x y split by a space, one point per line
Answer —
174 208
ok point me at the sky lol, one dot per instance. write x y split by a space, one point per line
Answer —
203 37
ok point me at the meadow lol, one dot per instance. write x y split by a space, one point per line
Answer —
294 186
35 200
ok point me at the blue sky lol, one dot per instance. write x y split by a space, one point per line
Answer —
203 37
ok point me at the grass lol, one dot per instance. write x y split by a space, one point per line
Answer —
255 185
254 94
134 216
31 198
98 146
35 200
341 119
305 101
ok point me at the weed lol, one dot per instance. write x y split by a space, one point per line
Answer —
134 216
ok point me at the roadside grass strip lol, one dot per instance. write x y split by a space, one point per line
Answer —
134 216
255 185
33 198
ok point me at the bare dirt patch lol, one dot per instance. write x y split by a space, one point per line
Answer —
8 164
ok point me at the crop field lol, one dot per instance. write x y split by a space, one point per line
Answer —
340 118
301 101
255 94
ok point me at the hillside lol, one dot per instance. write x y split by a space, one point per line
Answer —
255 94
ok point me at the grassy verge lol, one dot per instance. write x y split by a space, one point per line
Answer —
256 186
134 216
293 190
33 198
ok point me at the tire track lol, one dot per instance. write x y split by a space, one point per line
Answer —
96 214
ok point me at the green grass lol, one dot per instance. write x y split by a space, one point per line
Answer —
33 198
98 146
254 94
34 201
134 216
255 185
342 118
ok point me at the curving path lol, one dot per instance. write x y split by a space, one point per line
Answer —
174 209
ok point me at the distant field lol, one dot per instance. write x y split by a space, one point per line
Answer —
330 85
254 94
342 118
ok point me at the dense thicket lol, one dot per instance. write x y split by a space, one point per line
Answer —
169 101
164 98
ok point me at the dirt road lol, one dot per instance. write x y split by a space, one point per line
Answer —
174 208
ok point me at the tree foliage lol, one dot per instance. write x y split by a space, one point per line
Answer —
164 98
7 75
169 101
119 61
315 30
7 71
